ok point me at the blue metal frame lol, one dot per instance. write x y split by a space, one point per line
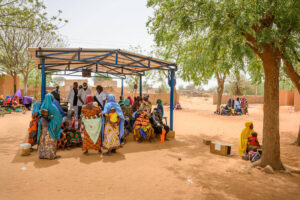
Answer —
115 67
122 87
172 100
141 86
43 88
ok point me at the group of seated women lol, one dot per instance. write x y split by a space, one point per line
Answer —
98 129
234 107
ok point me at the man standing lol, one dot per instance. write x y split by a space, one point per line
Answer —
82 94
57 92
73 99
100 96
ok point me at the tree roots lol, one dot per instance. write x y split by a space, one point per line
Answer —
287 170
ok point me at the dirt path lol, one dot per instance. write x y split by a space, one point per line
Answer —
153 171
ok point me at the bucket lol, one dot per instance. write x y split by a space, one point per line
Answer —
25 149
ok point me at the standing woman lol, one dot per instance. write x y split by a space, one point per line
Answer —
91 126
33 126
49 130
112 134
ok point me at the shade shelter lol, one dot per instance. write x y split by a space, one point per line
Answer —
101 62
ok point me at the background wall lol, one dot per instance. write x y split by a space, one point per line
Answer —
286 97
252 99
7 85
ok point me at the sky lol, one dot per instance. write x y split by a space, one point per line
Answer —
119 24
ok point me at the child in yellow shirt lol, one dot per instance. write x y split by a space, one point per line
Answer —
113 117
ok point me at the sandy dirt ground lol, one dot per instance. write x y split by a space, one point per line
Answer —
153 171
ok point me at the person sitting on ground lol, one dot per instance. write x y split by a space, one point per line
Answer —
243 140
177 107
159 127
237 110
229 102
69 135
142 129
15 102
253 143
1 99
160 108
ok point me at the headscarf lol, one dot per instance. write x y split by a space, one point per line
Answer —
56 103
36 107
7 97
131 100
68 117
55 123
2 97
111 103
243 140
18 94
126 102
89 99
146 95
159 101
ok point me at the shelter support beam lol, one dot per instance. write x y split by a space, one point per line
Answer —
122 86
141 86
43 88
172 100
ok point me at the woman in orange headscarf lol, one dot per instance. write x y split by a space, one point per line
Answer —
243 140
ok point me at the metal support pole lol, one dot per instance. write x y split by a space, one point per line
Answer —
141 86
172 100
43 87
122 88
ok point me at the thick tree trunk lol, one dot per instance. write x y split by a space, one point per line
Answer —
15 82
271 138
220 89
25 84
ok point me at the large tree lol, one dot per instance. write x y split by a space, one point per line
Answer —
34 30
269 28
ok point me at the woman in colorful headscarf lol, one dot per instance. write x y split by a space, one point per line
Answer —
142 129
160 108
91 126
33 126
49 130
112 133
243 140
131 101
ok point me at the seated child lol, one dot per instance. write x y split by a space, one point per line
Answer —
253 143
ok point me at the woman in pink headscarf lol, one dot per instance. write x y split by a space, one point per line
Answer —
90 128
130 100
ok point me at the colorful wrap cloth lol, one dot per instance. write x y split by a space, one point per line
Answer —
93 128
55 123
